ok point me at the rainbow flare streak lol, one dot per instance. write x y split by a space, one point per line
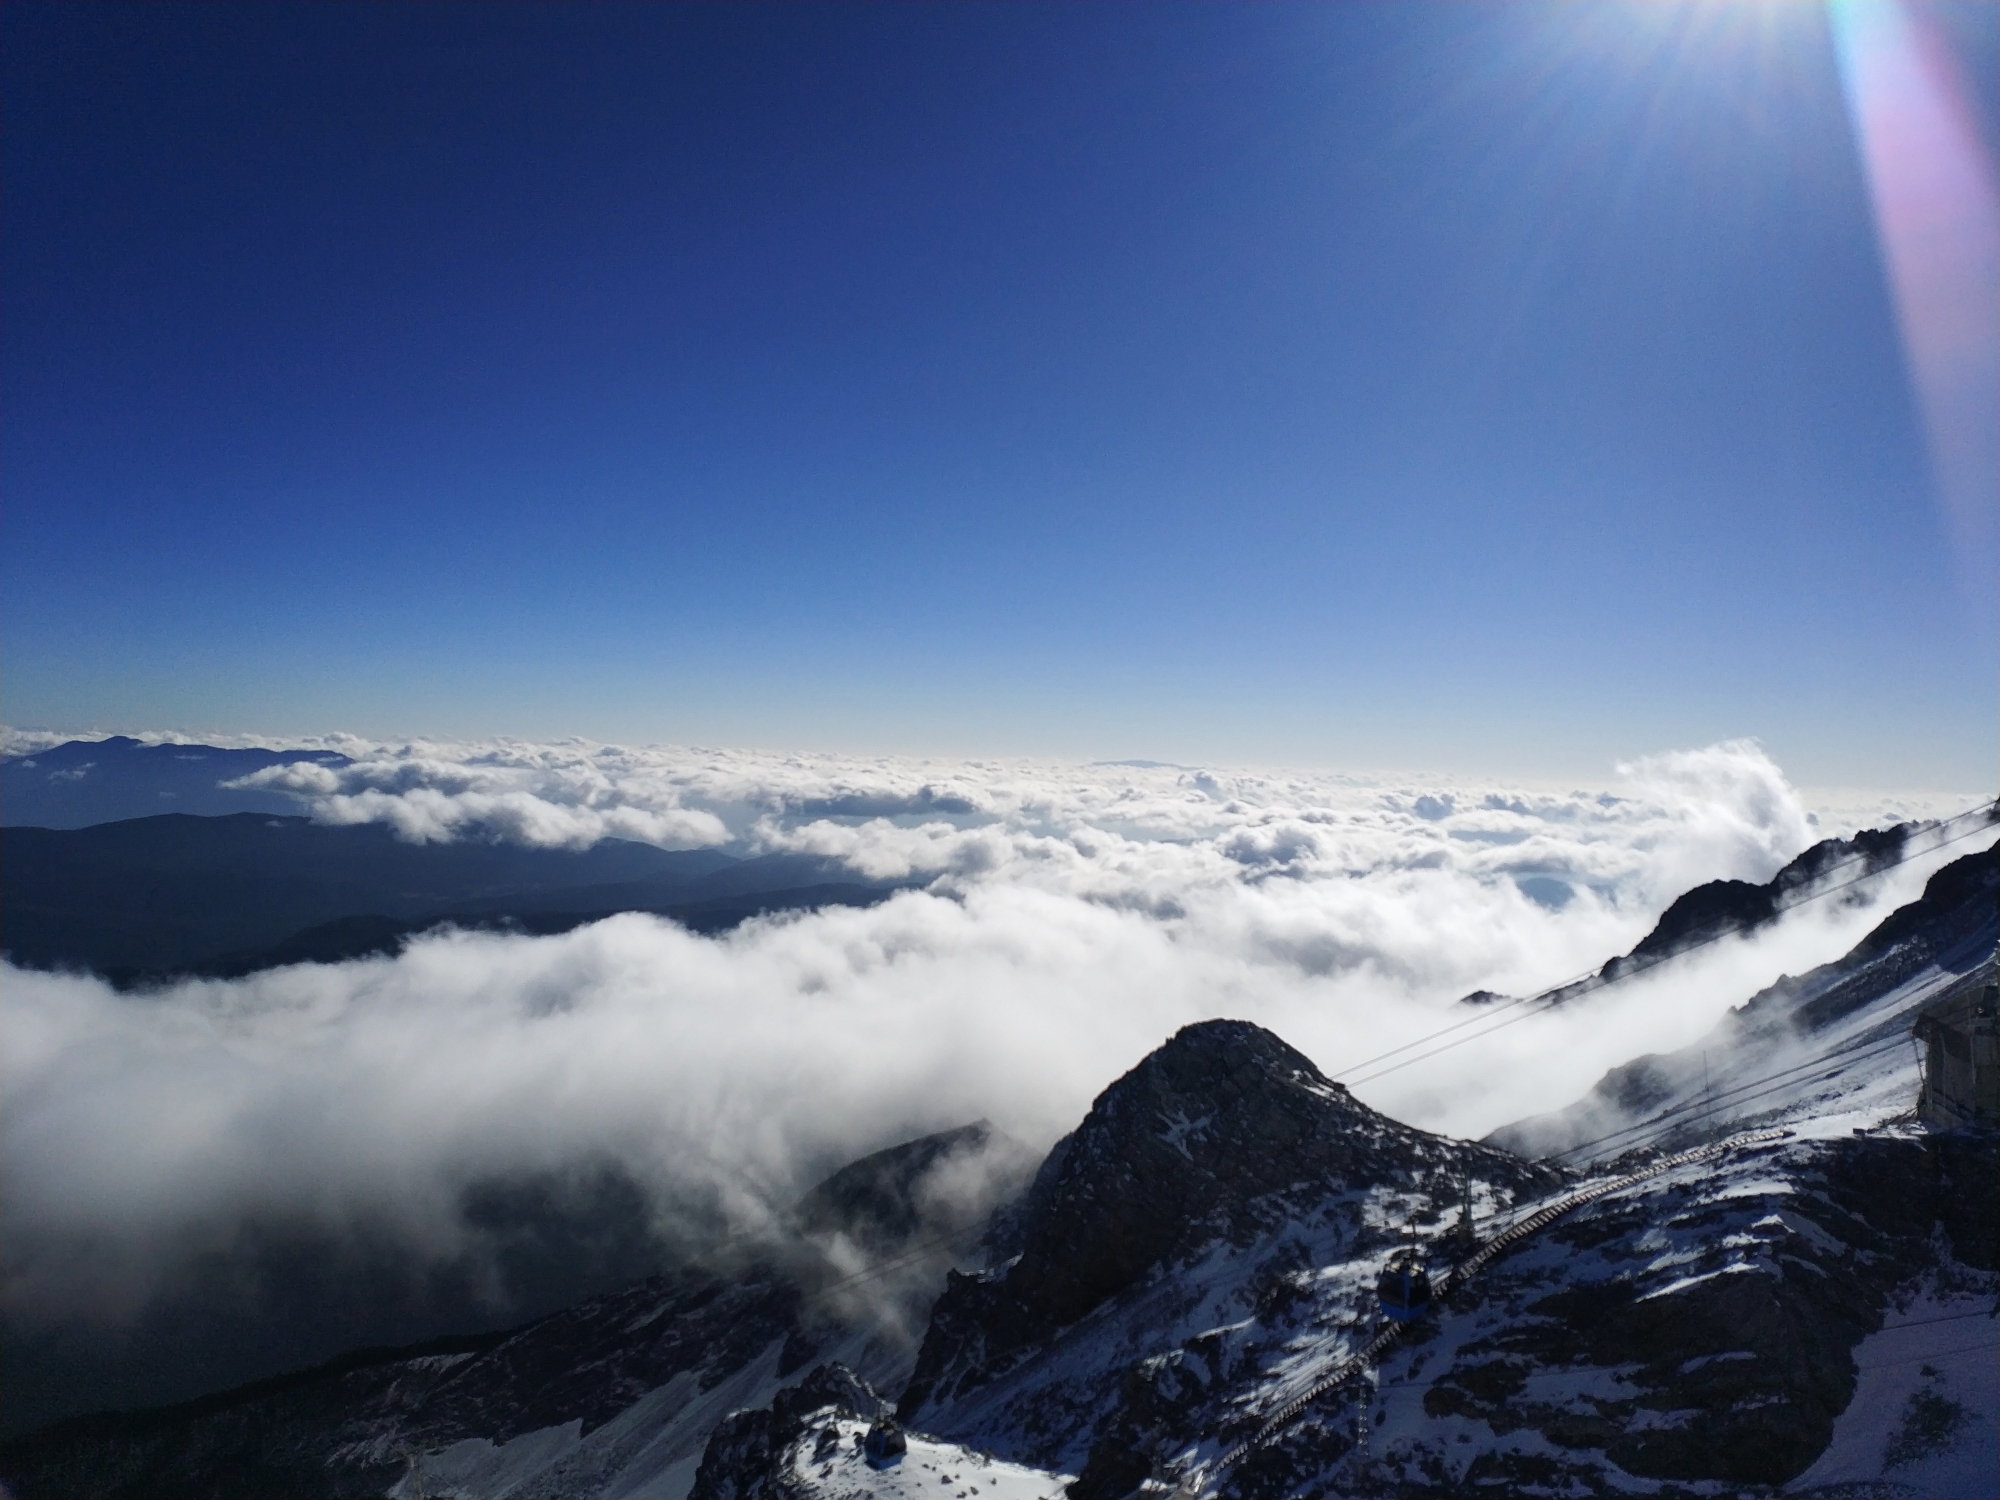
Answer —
1937 215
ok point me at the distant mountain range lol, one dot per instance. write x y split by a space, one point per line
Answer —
1182 1300
82 782
174 894
216 888
134 861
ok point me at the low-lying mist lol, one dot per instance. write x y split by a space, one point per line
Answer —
485 1125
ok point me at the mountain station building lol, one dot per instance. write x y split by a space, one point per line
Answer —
1961 1037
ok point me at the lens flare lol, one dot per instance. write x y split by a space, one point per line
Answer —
1937 215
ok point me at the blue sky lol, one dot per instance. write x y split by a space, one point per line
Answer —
1490 387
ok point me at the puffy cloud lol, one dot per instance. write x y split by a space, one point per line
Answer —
1071 917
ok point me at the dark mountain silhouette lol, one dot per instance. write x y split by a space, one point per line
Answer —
1223 1133
157 896
83 782
1724 906
373 936
722 1330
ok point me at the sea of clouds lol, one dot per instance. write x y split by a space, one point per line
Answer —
1060 921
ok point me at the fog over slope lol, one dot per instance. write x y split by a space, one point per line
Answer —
1073 916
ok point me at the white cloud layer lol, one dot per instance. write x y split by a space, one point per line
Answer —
1071 917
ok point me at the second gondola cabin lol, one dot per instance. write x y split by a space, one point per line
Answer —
1404 1289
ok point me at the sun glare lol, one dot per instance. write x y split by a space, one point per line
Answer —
1937 218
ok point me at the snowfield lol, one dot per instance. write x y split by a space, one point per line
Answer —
1925 1419
831 1466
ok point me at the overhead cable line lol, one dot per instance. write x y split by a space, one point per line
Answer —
1356 1363
1551 999
1991 809
1678 1114
883 1268
1883 1364
1528 1379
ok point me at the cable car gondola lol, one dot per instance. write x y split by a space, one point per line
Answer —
1405 1288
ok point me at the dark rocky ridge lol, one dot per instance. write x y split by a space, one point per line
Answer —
1727 1299
1795 1261
1719 908
335 1430
1732 1363
1953 924
1222 1133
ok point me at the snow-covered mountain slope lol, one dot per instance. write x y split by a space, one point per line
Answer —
831 1437
1693 1329
1926 1406
1828 1051
1212 1186
928 1470
1719 1328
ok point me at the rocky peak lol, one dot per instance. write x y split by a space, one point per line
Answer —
1206 1136
741 1461
1221 1115
1718 907
1224 1132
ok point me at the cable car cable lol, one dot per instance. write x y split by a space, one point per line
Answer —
1404 1381
1676 1115
1989 808
1551 999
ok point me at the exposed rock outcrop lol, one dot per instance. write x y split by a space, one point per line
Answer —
1225 1133
744 1456
1720 907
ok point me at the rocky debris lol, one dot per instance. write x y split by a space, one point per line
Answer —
1702 1333
745 1456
